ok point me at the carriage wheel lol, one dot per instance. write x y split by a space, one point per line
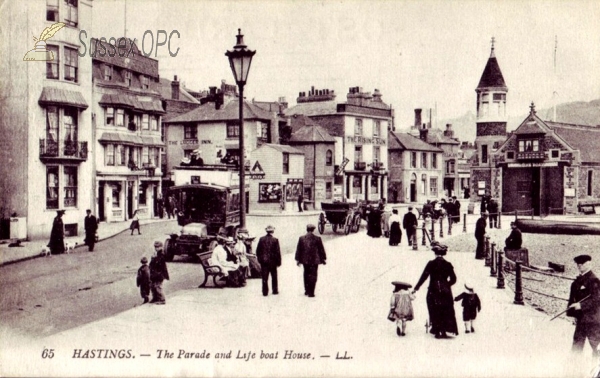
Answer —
335 227
321 224
356 225
348 224
168 249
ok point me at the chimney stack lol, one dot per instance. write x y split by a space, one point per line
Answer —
449 132
175 89
423 134
418 118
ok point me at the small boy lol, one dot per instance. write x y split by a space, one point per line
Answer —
471 306
143 279
401 306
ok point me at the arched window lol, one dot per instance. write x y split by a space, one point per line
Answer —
329 158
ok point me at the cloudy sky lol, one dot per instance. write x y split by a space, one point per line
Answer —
417 53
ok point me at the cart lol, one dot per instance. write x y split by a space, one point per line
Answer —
339 215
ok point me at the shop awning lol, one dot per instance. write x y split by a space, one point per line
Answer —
56 96
152 141
123 100
120 138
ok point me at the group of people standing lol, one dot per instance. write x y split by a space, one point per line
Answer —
57 233
386 221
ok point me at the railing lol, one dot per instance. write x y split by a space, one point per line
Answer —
531 156
63 150
377 166
360 165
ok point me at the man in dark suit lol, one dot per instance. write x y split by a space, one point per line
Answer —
90 225
480 236
310 252
456 210
584 306
268 254
515 239
409 223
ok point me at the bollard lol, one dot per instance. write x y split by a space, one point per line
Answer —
500 284
450 221
486 247
493 262
415 247
515 215
441 227
518 285
488 255
500 219
464 223
424 234
432 230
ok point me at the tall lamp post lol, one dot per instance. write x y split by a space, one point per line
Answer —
239 60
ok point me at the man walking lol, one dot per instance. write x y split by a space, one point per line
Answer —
480 236
158 273
584 306
515 239
310 252
90 225
269 257
409 223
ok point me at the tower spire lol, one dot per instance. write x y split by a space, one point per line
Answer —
492 55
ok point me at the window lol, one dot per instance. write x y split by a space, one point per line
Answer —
108 72
162 132
52 10
433 186
424 160
286 163
52 187
233 130
374 184
358 127
116 196
71 64
145 155
413 160
190 132
499 103
485 104
529 145
142 193
109 157
423 184
52 124
71 16
356 185
328 190
70 128
496 145
52 66
121 154
554 154
110 116
328 158
262 131
120 117
434 161
156 157
70 186
144 80
484 153
154 123
590 177
128 78
510 154
376 154
145 122
376 128
358 154
450 166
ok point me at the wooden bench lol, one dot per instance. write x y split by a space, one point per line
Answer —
588 208
213 271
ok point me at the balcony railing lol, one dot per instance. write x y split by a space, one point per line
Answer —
360 165
377 165
49 150
530 156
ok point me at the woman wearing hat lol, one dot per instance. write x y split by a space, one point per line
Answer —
223 257
440 302
57 235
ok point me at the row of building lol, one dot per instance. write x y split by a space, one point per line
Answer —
106 133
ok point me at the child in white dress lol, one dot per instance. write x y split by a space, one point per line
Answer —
401 306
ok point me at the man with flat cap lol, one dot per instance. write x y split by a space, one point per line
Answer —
584 306
268 254
409 223
310 252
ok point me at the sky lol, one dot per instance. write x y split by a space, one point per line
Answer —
419 54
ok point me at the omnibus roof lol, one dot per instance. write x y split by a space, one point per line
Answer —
200 186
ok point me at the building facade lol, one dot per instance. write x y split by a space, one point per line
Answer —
416 169
127 118
46 131
360 125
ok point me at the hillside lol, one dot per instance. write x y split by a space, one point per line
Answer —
580 112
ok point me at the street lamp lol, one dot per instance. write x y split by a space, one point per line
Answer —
239 60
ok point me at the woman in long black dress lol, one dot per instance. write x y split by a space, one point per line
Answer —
374 223
395 231
440 302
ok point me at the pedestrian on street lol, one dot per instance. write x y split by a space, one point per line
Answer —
409 223
158 273
310 252
492 208
395 231
160 206
427 209
269 257
515 239
471 306
480 236
300 200
484 203
143 279
385 221
440 302
374 223
584 306
456 209
224 258
90 225
401 306
57 234
135 223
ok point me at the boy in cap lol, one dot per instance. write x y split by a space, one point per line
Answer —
401 306
143 279
584 306
471 306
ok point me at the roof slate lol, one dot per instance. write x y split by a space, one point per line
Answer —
283 148
164 88
583 138
312 134
228 112
492 76
405 141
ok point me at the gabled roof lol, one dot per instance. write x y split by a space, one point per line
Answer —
164 88
282 148
227 112
492 76
583 138
313 108
312 134
533 126
403 141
